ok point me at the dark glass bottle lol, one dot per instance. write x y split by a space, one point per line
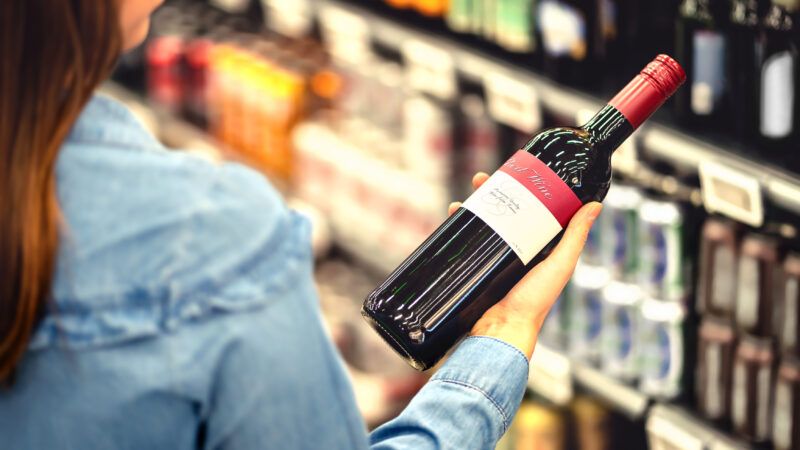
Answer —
508 225
744 59
701 46
568 31
777 80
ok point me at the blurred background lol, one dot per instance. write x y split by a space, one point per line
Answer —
679 329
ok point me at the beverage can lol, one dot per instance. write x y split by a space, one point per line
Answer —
786 423
751 401
619 340
788 305
663 266
661 348
619 231
555 329
758 263
586 318
716 284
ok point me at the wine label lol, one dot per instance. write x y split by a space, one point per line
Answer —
525 203
783 422
748 292
708 77
777 95
563 29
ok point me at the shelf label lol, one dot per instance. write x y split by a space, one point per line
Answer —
732 193
626 158
293 19
346 34
513 102
663 433
550 375
430 69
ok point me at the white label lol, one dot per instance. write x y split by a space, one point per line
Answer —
515 214
231 6
723 288
702 99
713 382
790 313
777 95
430 69
708 71
747 296
731 192
513 102
783 423
739 396
563 29
762 403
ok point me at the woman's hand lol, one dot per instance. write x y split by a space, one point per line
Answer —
517 318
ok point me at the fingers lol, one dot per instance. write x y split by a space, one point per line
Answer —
478 179
453 208
548 278
571 245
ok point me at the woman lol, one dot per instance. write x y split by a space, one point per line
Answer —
152 300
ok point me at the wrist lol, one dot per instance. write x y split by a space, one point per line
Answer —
521 334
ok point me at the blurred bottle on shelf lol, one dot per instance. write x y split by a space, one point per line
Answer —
593 424
538 426
480 140
701 47
567 29
716 343
759 259
778 76
586 318
751 396
787 301
716 284
744 55
786 422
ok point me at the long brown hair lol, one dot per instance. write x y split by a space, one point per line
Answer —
54 53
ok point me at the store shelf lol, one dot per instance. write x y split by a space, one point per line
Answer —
675 427
553 376
675 147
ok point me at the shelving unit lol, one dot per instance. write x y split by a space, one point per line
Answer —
781 188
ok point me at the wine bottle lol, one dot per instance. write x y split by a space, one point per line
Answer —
568 31
701 45
508 225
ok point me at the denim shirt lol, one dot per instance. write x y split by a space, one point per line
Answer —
184 315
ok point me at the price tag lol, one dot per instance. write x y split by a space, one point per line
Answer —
293 19
346 34
231 6
626 158
732 193
429 69
550 375
513 102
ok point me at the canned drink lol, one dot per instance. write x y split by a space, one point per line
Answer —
554 331
619 343
661 348
586 319
619 248
663 268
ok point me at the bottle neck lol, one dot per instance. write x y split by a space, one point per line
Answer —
608 129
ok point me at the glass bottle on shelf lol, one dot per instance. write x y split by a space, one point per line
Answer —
701 47
744 58
777 78
567 29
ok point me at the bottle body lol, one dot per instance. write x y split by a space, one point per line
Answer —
507 226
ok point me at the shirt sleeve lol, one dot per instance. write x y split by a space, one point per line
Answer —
468 404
